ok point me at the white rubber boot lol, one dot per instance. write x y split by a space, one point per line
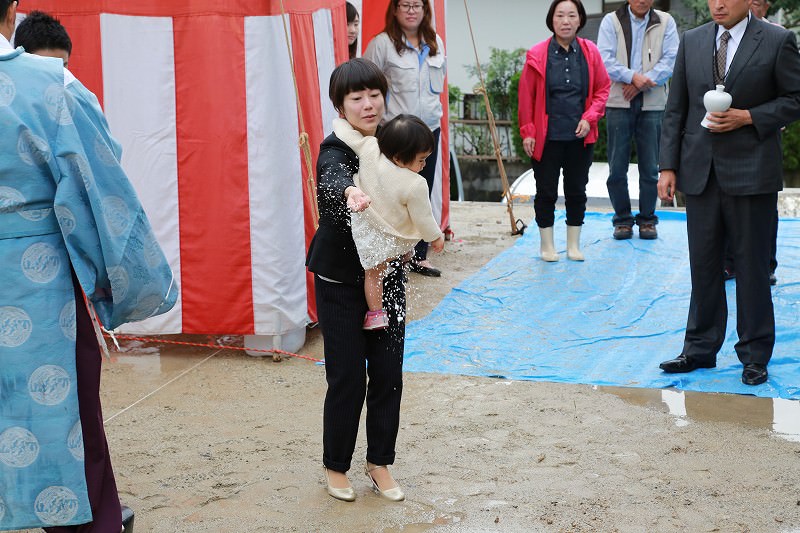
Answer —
547 248
574 243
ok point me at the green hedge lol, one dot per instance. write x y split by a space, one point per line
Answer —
791 153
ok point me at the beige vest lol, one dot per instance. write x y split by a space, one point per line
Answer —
656 98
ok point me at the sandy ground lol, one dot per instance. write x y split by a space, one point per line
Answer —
234 445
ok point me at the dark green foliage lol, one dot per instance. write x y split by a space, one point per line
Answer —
454 96
790 16
791 155
513 96
791 11
791 147
497 74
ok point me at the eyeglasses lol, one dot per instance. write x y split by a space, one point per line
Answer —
408 8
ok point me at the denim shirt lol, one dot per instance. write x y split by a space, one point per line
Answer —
565 89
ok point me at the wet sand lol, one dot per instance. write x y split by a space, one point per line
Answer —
234 444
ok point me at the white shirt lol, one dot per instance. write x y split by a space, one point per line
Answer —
737 32
4 43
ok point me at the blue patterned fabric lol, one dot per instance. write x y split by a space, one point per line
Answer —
65 204
88 101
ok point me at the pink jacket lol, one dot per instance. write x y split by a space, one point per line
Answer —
533 94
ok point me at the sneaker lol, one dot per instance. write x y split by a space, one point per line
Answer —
647 230
376 320
623 232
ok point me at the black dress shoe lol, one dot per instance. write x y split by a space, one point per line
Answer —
681 364
431 272
754 374
127 519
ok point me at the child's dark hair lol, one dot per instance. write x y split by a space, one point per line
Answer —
355 75
404 137
40 31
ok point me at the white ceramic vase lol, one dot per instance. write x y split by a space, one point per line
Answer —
715 101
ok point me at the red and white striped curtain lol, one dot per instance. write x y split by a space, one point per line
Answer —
201 96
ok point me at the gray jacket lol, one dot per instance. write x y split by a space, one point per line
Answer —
763 78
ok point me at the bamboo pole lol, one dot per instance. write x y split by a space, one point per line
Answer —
517 225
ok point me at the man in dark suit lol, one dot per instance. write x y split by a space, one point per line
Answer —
731 173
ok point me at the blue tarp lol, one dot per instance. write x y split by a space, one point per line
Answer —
607 321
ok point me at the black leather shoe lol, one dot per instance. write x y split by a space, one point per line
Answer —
681 364
431 272
754 374
127 519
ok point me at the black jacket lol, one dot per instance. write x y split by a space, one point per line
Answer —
332 253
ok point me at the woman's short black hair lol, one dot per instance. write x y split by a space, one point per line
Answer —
404 137
552 12
40 31
355 75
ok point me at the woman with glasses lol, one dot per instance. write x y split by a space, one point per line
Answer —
412 57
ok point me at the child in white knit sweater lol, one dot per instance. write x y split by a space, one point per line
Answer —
400 213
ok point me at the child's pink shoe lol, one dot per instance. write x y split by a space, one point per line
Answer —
376 320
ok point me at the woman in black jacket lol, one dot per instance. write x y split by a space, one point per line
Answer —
358 363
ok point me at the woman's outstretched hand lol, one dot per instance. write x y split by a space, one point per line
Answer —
357 200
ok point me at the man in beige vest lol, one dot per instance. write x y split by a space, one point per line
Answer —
759 9
638 45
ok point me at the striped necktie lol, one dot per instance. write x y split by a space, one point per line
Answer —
721 58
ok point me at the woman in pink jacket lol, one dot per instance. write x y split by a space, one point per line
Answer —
562 94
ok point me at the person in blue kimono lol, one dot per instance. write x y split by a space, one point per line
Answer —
73 240
42 34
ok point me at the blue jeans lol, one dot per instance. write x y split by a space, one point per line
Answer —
644 128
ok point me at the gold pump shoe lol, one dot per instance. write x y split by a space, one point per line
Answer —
346 494
394 494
